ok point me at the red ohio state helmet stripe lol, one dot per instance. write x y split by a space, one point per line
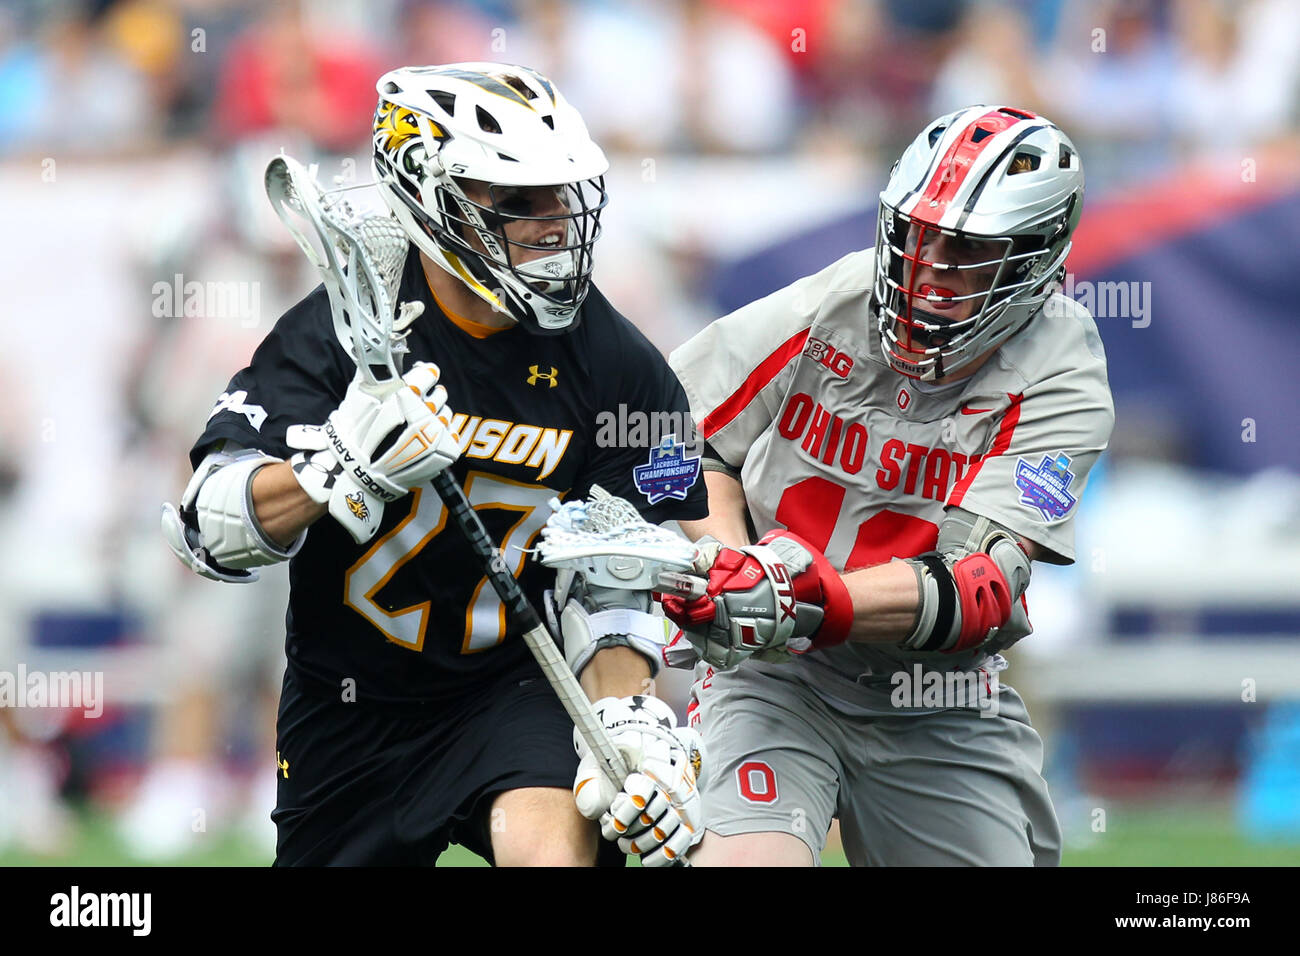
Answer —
956 164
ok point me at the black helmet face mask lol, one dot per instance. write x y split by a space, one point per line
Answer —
492 174
542 235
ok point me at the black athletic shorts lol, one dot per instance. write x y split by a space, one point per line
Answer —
376 785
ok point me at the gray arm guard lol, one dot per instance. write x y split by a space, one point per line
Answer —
594 618
939 612
215 533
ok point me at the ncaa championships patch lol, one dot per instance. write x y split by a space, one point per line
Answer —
1045 487
668 473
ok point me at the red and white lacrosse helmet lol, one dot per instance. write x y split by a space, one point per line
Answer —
973 231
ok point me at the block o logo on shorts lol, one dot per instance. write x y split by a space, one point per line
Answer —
756 782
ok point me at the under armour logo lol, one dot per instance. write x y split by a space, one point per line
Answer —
549 376
282 764
301 463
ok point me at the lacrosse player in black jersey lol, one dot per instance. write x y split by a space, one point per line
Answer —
412 716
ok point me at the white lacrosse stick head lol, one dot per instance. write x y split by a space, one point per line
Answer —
605 539
360 257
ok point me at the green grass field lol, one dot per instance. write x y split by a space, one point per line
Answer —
1201 835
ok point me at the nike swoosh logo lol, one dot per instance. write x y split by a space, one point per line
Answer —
975 411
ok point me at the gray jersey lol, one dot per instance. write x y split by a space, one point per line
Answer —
834 445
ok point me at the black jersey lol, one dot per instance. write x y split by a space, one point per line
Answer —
409 616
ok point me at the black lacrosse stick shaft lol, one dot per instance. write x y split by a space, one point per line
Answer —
503 582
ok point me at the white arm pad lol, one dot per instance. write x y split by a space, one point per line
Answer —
586 632
216 532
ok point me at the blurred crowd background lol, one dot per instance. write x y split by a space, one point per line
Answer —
749 140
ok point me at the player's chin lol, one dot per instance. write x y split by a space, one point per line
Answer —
916 339
933 313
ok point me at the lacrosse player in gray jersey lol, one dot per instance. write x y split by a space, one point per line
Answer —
917 422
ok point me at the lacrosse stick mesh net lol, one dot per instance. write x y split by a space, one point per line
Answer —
382 239
359 245
606 523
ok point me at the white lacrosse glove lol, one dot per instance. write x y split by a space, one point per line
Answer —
657 813
371 451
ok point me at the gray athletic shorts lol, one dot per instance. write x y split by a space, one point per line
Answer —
944 787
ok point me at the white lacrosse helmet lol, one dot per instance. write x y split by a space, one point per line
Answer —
973 231
507 127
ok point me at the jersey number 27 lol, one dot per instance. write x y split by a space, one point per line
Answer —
485 617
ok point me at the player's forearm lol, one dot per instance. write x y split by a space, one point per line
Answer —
886 599
726 520
616 672
884 603
283 509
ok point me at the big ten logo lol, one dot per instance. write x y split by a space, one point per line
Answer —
841 363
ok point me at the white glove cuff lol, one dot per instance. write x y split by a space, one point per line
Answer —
316 474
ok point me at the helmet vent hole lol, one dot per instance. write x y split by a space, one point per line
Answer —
447 101
516 83
936 133
390 88
549 120
486 121
980 134
1019 114
508 159
1024 163
1063 162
